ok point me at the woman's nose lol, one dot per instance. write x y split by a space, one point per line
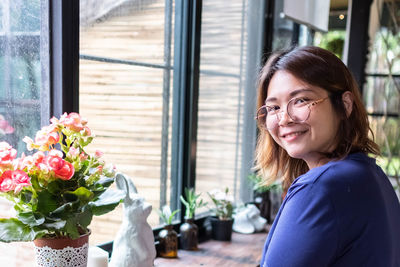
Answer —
284 118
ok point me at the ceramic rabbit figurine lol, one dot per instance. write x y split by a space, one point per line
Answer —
134 244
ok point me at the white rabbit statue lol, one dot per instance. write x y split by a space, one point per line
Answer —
134 244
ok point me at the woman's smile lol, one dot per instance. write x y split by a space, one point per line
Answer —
292 135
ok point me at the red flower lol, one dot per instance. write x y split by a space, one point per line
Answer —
62 169
14 180
6 182
7 153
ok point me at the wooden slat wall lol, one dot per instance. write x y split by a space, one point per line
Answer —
124 103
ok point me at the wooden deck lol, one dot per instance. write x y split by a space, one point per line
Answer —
242 251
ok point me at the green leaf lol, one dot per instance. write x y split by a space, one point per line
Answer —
84 195
54 187
47 202
65 210
30 218
14 230
107 201
105 181
57 225
71 228
26 195
35 182
85 218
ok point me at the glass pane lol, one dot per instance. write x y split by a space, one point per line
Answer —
127 101
384 50
229 45
24 101
380 95
382 88
129 30
283 29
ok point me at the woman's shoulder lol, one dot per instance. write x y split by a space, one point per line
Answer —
356 170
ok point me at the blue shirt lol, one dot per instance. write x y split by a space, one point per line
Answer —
344 213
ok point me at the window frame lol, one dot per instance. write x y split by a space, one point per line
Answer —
64 85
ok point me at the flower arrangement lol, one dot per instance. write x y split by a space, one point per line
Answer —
223 204
56 190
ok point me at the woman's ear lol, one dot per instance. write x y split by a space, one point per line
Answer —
347 98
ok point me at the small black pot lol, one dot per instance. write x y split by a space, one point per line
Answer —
221 229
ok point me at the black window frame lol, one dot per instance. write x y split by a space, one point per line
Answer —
64 84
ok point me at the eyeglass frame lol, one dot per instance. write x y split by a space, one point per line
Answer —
309 105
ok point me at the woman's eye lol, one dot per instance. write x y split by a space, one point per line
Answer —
299 101
272 109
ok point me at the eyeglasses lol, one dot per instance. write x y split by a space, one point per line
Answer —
298 109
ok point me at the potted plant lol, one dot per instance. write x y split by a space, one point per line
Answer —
221 223
267 198
56 191
168 238
189 229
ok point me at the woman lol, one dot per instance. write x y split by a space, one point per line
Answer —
341 210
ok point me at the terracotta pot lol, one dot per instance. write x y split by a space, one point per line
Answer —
168 238
188 238
62 251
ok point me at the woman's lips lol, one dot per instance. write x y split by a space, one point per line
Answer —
292 135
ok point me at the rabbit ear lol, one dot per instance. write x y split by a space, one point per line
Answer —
121 183
132 187
125 183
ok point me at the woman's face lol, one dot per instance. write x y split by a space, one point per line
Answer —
303 139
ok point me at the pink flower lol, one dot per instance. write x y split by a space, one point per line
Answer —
73 121
46 137
73 152
62 169
38 157
86 131
29 143
24 162
21 179
98 154
83 156
6 182
14 180
99 168
5 127
56 153
7 154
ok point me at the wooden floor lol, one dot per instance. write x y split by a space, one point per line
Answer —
242 251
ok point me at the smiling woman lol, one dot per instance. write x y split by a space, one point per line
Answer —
339 208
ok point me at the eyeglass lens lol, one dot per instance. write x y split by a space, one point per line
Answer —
298 110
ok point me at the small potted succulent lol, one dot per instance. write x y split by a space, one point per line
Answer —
168 238
189 229
222 222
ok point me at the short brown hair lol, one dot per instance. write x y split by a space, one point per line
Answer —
321 68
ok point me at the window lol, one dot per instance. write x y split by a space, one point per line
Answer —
165 84
24 90
231 41
381 90
126 58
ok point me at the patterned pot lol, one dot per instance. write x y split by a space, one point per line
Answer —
51 252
